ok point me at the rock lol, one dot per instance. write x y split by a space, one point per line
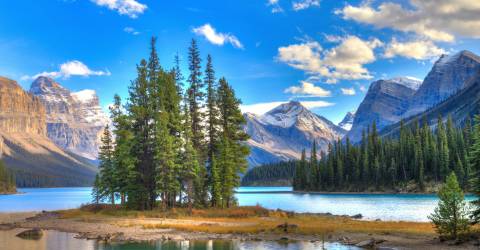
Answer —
371 243
287 228
357 216
75 120
31 234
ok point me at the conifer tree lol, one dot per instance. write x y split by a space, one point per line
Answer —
474 163
195 96
451 215
106 181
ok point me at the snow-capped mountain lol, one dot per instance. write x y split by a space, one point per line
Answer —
283 132
75 120
347 121
385 103
389 101
448 76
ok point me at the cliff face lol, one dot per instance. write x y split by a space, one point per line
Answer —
448 75
20 112
75 120
385 103
25 147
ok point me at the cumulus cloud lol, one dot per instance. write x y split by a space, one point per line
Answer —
308 89
348 91
217 38
345 61
439 20
305 4
131 30
275 6
262 108
131 8
419 50
68 69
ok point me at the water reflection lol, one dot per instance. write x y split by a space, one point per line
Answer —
53 240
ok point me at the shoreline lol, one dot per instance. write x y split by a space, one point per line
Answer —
131 229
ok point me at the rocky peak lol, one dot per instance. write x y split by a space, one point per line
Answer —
75 120
448 75
20 112
347 121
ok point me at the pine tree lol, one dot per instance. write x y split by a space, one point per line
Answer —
195 96
106 182
123 162
233 140
474 163
451 215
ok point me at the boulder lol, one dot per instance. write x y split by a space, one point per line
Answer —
31 234
357 216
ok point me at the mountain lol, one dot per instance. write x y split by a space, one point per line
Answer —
283 132
385 103
347 121
75 120
448 75
460 106
25 147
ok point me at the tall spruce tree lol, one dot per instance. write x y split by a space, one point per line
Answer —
106 186
474 163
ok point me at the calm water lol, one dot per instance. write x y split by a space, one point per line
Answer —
53 240
408 207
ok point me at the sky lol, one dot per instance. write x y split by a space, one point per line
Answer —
323 53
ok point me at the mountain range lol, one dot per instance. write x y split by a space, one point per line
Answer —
282 133
387 102
54 133
26 148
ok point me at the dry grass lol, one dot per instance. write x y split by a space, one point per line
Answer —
243 220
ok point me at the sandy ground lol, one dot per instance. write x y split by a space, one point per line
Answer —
129 230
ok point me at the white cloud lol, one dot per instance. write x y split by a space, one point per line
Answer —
131 8
131 30
346 61
308 89
262 108
274 4
348 91
439 20
217 38
305 4
68 69
419 49
362 88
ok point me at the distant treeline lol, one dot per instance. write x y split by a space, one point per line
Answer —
419 155
7 180
274 174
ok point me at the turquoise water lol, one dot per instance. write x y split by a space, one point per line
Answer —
53 240
407 207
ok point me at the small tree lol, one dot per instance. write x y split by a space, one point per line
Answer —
451 215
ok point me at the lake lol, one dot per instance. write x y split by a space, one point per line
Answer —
54 240
407 207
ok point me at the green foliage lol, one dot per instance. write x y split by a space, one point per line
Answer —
161 149
419 155
7 179
451 215
474 164
273 174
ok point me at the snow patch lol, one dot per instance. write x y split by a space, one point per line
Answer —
84 96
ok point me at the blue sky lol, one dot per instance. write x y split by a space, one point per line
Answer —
323 53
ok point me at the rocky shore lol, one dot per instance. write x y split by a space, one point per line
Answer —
134 230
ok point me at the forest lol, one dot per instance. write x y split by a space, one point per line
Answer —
7 180
272 174
175 141
417 160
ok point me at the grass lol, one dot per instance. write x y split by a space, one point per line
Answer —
243 220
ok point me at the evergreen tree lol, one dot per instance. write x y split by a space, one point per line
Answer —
106 185
195 96
474 163
451 215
